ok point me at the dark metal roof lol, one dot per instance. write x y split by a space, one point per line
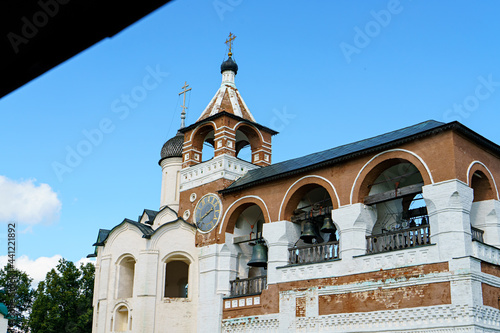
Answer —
151 215
146 230
230 115
173 147
230 65
103 234
335 155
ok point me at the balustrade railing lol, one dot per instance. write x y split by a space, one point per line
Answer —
477 234
250 286
313 253
401 239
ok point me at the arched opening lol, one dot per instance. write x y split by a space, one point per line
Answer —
247 141
208 147
251 264
481 186
126 271
203 142
243 148
121 319
396 193
177 277
319 239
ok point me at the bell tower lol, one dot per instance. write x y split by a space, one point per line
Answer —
227 125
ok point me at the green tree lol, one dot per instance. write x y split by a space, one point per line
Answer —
63 301
17 296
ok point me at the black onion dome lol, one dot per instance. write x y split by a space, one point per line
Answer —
173 147
230 65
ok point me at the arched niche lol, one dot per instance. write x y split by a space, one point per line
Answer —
203 141
122 319
126 274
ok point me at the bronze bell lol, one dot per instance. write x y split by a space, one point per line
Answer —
328 226
259 255
308 234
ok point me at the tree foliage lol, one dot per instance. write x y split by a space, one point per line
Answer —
17 296
63 301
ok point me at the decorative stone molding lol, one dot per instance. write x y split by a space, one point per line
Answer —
360 264
486 253
434 319
267 323
223 166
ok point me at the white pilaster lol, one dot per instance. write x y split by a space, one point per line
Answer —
217 264
145 291
485 215
279 237
448 205
355 222
466 290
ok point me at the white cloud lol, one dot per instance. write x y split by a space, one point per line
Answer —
28 203
84 261
37 269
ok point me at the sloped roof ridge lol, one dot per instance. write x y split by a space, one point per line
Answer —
146 230
314 159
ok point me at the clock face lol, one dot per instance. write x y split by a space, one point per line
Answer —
207 212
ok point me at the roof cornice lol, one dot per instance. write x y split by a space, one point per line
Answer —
230 115
453 126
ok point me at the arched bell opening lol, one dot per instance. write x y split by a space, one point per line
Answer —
203 143
243 148
483 189
208 147
248 141
396 193
481 185
252 257
319 238
248 230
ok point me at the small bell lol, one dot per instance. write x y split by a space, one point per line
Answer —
328 226
259 255
308 234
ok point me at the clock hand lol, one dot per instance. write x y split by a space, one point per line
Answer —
205 215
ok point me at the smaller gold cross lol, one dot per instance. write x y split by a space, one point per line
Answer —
229 43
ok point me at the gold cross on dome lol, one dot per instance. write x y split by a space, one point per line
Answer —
229 43
183 106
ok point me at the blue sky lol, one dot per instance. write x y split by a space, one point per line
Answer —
322 73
